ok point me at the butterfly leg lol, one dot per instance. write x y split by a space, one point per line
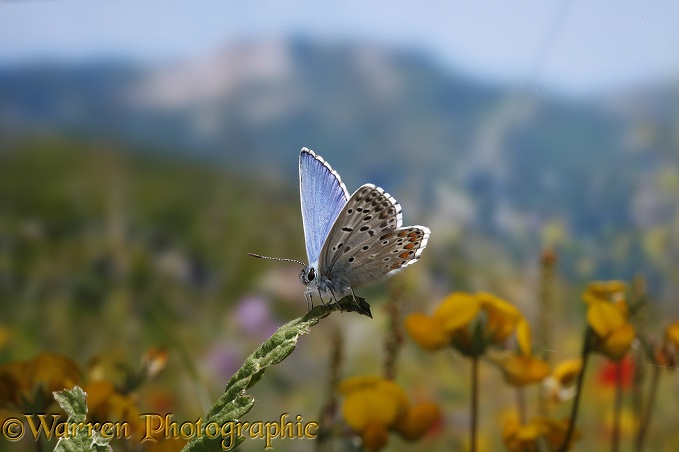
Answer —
334 298
320 295
309 301
309 296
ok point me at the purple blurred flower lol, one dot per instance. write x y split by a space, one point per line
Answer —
224 360
253 316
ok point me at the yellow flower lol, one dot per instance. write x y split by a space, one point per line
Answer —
371 399
522 368
672 335
560 386
28 385
457 310
454 313
417 420
374 405
665 354
128 379
567 371
374 436
524 337
503 317
608 320
469 322
612 291
526 438
106 404
428 332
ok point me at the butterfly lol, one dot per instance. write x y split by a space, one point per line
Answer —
351 241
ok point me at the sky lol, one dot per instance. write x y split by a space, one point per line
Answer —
574 46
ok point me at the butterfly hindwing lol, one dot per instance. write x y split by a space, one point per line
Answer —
322 195
367 241
368 212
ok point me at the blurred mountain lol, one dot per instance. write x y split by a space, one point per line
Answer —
506 161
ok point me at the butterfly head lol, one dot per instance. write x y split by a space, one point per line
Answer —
307 275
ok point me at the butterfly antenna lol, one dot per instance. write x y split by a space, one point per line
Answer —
276 259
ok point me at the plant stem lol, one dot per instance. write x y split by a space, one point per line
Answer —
638 377
330 409
475 403
235 402
545 323
394 339
578 393
615 439
646 419
521 404
641 352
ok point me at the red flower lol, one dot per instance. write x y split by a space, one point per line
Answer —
607 373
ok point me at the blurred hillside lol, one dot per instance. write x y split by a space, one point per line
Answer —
130 195
597 178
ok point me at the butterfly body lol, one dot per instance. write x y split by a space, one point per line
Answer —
351 241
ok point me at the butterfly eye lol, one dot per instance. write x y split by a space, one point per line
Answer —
312 274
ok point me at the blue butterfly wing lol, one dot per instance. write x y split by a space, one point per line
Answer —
323 195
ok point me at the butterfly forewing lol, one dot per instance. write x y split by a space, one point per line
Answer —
322 195
367 241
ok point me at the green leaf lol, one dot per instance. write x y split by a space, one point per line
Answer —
74 403
235 403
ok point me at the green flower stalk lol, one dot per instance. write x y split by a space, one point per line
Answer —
236 402
329 411
394 339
